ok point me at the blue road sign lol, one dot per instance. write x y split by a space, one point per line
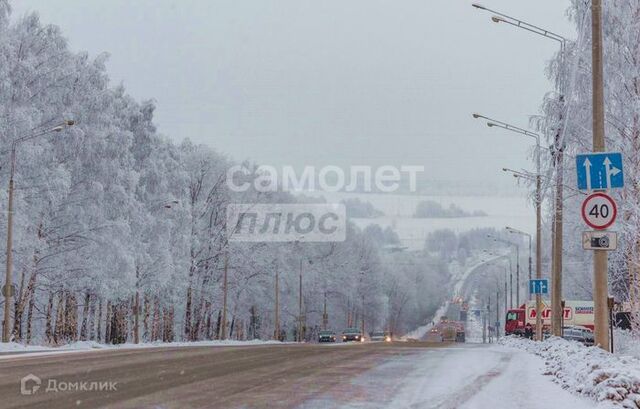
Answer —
539 286
600 171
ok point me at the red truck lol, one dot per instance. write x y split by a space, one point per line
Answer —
576 313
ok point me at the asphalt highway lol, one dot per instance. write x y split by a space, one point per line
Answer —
281 376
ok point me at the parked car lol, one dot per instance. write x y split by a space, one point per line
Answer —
352 334
380 336
326 336
578 334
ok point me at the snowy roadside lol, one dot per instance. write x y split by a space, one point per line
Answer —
12 349
461 377
589 371
625 343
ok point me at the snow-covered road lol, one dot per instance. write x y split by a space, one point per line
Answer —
469 376
458 283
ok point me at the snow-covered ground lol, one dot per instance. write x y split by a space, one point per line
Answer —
589 371
11 349
626 344
470 376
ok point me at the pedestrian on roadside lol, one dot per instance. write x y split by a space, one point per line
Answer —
528 331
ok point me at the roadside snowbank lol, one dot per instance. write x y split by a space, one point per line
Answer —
12 349
589 371
625 343
16 347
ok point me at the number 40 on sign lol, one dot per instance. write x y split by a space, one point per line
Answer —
599 211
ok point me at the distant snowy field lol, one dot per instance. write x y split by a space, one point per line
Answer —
514 211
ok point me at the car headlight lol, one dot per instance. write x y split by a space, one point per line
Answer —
388 339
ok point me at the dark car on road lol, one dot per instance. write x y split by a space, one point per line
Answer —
326 336
352 334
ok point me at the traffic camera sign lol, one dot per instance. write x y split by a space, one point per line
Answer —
600 171
599 240
599 211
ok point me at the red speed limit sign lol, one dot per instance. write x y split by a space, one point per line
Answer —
599 211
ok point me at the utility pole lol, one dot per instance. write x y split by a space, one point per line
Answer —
497 310
511 292
506 307
517 275
600 262
276 331
530 262
489 317
557 227
325 316
556 268
223 328
136 328
8 286
362 329
300 305
484 326
538 249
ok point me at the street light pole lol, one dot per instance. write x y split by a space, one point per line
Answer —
600 262
516 231
557 244
517 247
508 258
300 306
276 331
8 285
538 204
223 332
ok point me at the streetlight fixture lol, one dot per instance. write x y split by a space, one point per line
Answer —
557 225
538 199
8 285
499 17
530 176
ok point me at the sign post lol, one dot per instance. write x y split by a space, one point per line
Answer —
599 171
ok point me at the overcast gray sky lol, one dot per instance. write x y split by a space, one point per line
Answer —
299 82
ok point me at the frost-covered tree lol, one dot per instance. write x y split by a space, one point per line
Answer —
570 118
119 232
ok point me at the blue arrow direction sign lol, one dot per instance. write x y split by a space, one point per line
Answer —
600 171
539 286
